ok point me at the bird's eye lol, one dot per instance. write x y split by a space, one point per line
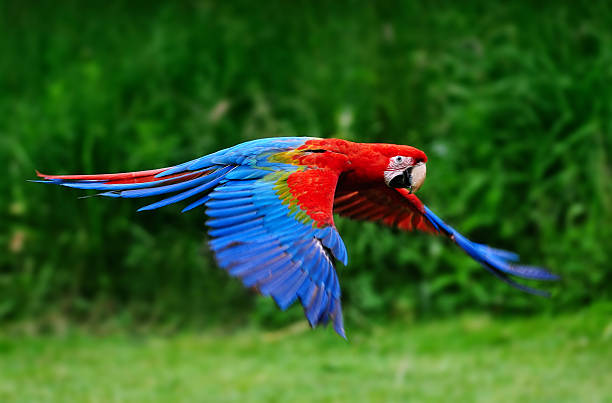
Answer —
399 158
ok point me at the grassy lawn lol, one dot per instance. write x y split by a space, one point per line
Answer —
470 358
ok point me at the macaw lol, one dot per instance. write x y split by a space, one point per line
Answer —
270 205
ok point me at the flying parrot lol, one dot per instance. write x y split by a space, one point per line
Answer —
270 205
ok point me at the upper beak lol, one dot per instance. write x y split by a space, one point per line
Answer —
417 176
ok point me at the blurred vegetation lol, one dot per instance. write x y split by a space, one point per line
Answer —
511 101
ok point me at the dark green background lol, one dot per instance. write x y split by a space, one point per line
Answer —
512 103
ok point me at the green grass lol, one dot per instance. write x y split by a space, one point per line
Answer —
470 358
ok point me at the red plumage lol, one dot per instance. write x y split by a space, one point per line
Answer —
360 193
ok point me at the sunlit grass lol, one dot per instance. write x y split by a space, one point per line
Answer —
470 358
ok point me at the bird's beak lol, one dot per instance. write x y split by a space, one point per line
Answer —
411 178
419 171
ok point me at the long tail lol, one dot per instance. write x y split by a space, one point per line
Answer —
183 184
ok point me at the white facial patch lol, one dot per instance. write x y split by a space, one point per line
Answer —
396 165
402 172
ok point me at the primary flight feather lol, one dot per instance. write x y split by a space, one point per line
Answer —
270 206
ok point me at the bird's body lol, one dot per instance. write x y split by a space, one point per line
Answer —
270 206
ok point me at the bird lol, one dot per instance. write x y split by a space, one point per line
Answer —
270 206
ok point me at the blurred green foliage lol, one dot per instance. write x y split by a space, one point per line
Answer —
511 101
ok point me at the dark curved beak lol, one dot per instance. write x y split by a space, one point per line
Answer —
411 178
407 174
403 180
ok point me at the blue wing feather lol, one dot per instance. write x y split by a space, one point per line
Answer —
228 212
258 239
497 261
289 290
196 203
255 275
189 193
255 235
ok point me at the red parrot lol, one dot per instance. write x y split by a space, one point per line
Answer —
270 206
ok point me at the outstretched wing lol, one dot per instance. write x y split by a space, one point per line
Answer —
275 231
270 220
402 209
383 204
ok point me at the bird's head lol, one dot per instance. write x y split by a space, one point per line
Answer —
370 163
405 167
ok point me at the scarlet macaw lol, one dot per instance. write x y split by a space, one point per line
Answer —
270 205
